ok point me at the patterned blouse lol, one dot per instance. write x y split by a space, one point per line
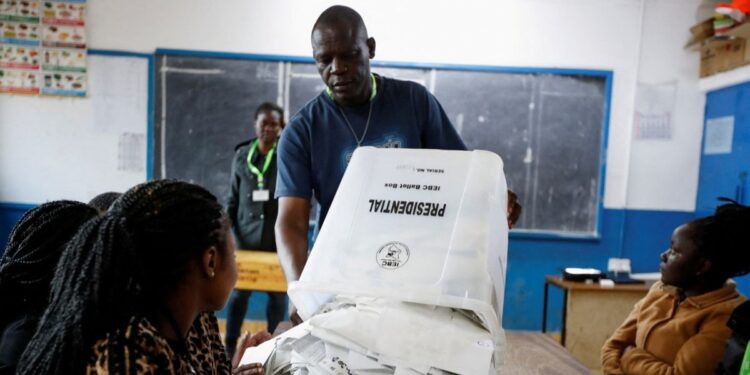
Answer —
140 349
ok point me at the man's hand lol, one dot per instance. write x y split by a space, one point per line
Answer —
293 316
248 341
514 209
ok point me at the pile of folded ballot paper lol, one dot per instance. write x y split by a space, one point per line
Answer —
389 289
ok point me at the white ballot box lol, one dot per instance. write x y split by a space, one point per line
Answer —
415 226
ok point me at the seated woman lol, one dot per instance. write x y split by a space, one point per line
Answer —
26 269
135 289
680 326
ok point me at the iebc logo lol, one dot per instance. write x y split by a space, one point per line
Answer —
392 255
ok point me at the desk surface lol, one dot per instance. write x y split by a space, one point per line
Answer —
259 270
579 285
531 353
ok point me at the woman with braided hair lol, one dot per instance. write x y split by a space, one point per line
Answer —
26 269
680 327
135 289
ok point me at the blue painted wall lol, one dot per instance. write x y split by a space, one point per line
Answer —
727 174
10 213
643 237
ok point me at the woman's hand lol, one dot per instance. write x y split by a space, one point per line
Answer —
248 341
249 369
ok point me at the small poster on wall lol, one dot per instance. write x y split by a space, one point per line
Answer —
719 136
63 13
19 57
63 36
73 84
20 11
19 81
654 109
43 47
64 60
23 33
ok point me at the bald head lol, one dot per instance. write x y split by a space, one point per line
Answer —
342 18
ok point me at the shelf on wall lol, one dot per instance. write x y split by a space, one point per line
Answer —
725 79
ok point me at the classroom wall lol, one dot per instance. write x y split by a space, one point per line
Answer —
650 186
640 40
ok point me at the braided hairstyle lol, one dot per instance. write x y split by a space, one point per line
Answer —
724 239
31 255
122 265
103 201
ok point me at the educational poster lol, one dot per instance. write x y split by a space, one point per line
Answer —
719 136
654 109
63 36
20 33
19 81
19 57
19 11
64 60
131 151
43 47
63 13
62 83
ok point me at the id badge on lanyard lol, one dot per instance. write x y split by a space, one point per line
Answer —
260 194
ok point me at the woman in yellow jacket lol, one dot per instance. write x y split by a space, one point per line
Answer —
680 326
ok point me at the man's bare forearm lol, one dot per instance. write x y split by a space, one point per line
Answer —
291 235
291 241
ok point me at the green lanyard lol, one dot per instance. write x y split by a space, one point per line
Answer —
373 81
266 164
745 369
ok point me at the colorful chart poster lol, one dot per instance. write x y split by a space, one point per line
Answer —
63 13
21 11
23 33
19 81
63 36
69 84
43 47
19 57
64 60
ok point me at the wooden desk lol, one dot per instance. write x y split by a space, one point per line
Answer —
534 353
259 270
591 314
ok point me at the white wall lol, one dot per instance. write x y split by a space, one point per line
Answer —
68 148
664 173
597 34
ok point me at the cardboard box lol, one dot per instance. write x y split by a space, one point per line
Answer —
701 32
259 270
722 55
741 31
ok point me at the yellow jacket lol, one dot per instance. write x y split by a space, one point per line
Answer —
669 337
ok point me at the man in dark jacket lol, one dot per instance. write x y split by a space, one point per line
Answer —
253 209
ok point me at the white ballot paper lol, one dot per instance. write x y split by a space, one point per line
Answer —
261 353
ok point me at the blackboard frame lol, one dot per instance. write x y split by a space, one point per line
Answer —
607 75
